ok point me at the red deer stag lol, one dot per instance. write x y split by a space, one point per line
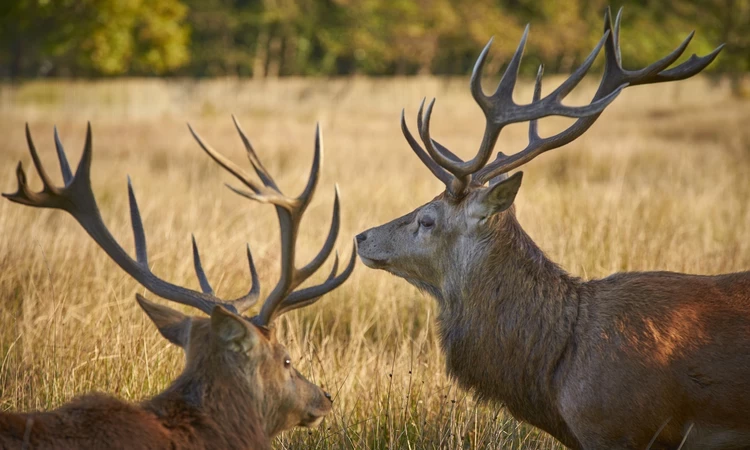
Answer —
607 363
238 389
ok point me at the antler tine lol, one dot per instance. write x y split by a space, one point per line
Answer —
263 174
508 81
286 307
572 81
46 182
263 193
475 83
202 279
333 232
139 235
614 79
64 166
251 298
312 181
656 72
458 180
534 123
241 304
77 198
434 167
310 295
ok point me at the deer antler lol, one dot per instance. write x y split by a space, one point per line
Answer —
77 198
289 210
500 109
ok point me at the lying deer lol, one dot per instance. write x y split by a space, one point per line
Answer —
238 389
601 364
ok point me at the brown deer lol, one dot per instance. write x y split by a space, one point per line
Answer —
603 364
238 389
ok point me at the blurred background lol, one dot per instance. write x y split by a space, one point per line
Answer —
277 38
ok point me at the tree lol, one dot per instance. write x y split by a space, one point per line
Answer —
90 37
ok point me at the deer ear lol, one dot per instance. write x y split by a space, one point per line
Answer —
499 196
172 324
232 331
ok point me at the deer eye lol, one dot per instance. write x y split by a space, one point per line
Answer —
426 222
287 363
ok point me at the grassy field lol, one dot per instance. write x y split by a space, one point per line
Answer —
662 181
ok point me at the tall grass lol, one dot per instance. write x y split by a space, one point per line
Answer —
660 182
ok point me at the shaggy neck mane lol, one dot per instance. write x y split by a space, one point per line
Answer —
211 402
522 308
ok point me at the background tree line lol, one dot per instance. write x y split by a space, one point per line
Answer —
270 38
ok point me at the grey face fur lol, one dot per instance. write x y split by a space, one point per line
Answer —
438 238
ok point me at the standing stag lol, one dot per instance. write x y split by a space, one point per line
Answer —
601 364
238 389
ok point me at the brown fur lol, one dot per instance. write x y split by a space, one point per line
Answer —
236 392
599 364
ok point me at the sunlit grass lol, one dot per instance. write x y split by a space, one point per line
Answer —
661 182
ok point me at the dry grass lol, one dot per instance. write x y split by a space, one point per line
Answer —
661 182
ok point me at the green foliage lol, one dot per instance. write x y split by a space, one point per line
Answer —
94 37
269 38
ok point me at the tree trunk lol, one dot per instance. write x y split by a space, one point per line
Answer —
16 59
261 54
274 57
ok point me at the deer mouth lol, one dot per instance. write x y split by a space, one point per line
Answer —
373 263
313 418
312 421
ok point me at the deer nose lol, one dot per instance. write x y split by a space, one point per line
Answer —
361 237
328 396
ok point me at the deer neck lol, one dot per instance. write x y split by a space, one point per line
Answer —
507 315
219 401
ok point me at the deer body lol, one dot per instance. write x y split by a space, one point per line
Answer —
238 389
666 348
203 409
612 363
560 353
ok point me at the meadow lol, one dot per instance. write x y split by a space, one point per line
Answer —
661 182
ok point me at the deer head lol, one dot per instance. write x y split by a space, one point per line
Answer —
236 353
449 236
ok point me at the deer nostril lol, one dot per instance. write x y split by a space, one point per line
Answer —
361 237
328 396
